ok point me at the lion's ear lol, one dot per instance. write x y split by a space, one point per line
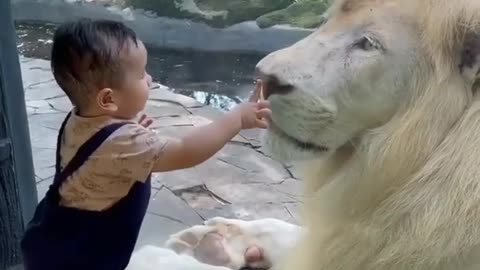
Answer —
470 58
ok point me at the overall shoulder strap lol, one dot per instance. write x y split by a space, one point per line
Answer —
83 153
87 149
59 143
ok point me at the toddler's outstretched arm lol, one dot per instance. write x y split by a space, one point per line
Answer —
204 142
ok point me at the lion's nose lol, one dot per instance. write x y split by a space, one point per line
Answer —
271 84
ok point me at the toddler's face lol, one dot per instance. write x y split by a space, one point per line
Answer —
133 95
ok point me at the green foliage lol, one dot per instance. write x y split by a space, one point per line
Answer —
306 13
163 8
301 13
243 10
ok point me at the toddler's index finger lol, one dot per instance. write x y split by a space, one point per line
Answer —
260 90
257 94
262 104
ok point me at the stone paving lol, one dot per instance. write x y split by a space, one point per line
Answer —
240 181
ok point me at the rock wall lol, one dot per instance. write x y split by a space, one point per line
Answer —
214 25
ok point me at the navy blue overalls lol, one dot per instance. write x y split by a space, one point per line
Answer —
69 239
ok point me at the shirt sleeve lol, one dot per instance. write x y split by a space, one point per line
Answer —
131 152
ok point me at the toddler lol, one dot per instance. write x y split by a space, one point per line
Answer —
91 215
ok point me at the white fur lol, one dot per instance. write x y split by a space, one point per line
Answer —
399 187
275 237
157 258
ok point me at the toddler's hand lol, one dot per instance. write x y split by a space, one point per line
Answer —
145 121
254 113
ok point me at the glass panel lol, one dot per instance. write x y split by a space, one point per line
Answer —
203 53
206 49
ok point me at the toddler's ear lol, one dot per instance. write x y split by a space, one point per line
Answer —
106 101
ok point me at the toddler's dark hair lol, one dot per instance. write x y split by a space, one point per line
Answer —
87 56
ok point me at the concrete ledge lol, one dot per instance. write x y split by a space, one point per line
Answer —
165 32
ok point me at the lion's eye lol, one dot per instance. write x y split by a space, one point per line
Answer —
367 44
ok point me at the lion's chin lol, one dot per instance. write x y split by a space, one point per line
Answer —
285 149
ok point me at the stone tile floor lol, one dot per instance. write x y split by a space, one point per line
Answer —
238 182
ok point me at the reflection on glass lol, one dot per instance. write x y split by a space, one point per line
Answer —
218 79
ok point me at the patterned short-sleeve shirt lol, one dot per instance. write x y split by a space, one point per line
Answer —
127 156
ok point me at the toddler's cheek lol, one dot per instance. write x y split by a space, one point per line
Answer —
140 98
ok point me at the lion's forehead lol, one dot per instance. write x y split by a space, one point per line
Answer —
354 5
349 6
347 13
441 23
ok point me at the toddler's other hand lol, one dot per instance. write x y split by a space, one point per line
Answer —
145 121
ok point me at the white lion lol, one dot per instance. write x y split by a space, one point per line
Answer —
383 98
384 95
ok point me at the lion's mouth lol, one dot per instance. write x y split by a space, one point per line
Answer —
304 146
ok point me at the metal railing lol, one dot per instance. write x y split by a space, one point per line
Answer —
18 196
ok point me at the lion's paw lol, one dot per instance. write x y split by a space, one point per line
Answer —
204 243
219 220
229 225
185 241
